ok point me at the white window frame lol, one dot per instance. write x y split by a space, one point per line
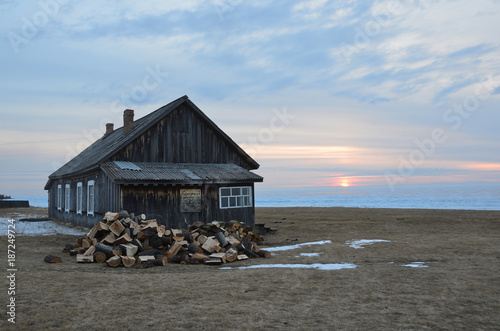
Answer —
90 197
79 198
236 198
59 197
67 197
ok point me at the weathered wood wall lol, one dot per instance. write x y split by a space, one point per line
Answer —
14 203
181 137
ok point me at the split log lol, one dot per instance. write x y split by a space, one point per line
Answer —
123 214
222 239
199 257
67 248
92 232
179 258
176 232
81 258
100 257
150 224
159 262
145 258
114 261
86 243
146 233
202 239
221 256
90 251
263 253
125 239
52 259
117 228
242 257
211 245
231 255
128 261
213 261
176 247
150 251
193 248
117 251
233 241
254 247
109 216
129 249
101 226
109 239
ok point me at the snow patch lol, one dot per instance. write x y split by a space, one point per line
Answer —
318 266
416 265
358 244
45 228
288 248
309 254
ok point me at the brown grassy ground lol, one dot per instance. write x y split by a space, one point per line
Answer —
460 290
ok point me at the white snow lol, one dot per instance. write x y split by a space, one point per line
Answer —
416 265
287 248
357 244
318 266
45 228
309 254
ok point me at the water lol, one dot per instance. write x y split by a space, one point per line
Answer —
485 197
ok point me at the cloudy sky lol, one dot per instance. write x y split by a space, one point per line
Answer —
321 93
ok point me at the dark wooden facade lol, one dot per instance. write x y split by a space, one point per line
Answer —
178 133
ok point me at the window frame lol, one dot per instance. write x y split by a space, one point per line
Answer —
79 198
90 201
59 197
67 197
235 199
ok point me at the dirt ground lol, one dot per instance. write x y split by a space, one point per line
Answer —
458 289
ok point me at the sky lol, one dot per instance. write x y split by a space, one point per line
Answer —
321 93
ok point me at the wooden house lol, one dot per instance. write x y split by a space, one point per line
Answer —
174 165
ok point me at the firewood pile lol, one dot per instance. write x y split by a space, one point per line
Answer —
129 240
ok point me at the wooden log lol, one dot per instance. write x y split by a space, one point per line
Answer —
125 239
176 232
199 257
249 253
67 248
231 254
263 253
242 257
136 228
254 247
179 258
211 245
117 251
129 249
145 258
108 250
144 265
114 261
128 261
146 233
193 248
160 262
150 224
100 257
86 243
109 239
73 252
176 247
101 226
233 241
91 234
161 230
117 228
81 258
202 239
212 261
109 216
150 251
90 251
221 256
52 259
221 238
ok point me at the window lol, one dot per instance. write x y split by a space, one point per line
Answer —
79 198
67 198
235 197
90 197
59 197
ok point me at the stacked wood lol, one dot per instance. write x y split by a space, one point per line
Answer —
125 239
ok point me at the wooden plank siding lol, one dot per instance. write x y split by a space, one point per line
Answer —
181 137
163 204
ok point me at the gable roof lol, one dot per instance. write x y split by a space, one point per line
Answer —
104 148
177 173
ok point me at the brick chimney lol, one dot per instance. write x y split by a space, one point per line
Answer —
128 121
110 127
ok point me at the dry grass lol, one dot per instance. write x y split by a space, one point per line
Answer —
460 290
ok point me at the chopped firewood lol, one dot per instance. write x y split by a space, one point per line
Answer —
233 241
161 230
100 257
213 261
211 245
199 257
128 261
176 232
221 256
194 248
92 232
231 254
176 247
254 248
117 228
108 250
81 258
117 251
242 257
52 259
114 261
202 239
101 226
129 249
86 243
109 239
109 216
67 248
179 258
145 258
263 253
125 239
150 224
90 251
221 238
